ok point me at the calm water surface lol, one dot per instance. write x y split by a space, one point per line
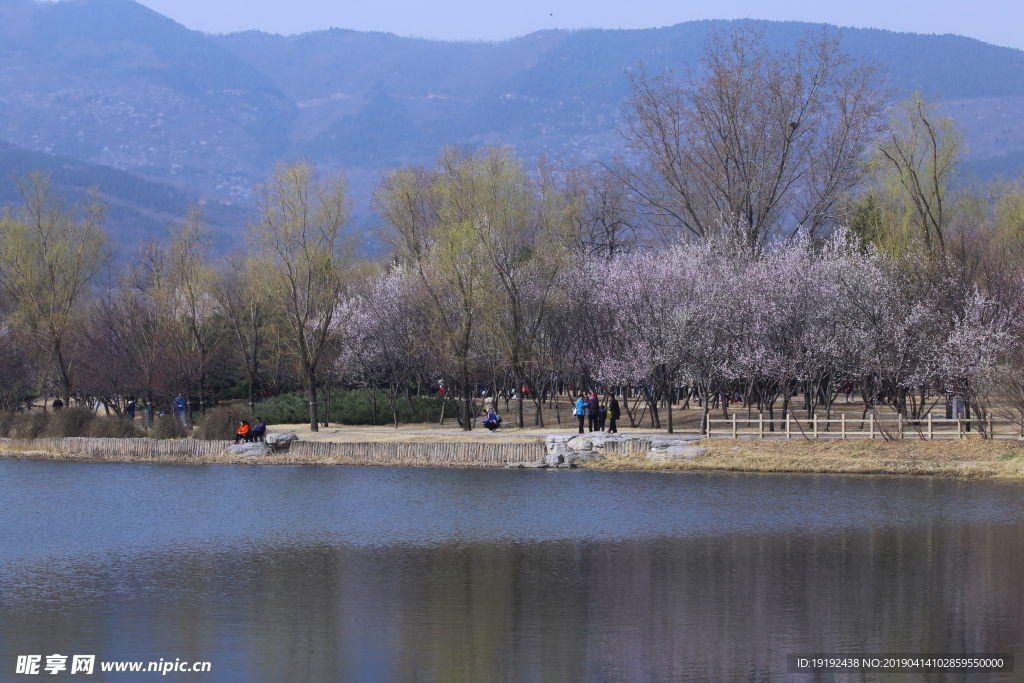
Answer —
379 574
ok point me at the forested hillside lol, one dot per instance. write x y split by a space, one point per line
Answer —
112 83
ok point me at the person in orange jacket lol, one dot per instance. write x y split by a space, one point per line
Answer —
243 432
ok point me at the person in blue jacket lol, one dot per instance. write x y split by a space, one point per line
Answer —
493 421
179 408
580 412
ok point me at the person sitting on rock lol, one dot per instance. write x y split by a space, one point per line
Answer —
259 430
243 432
493 421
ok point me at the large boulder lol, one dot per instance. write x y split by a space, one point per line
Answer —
279 443
255 448
557 444
661 442
599 440
676 452
583 442
582 456
555 459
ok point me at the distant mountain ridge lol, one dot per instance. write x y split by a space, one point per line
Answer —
113 84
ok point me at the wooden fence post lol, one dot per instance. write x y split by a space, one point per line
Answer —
931 435
760 425
734 425
959 429
844 427
871 426
814 418
787 425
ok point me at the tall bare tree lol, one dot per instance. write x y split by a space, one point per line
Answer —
49 253
921 160
303 255
191 282
752 140
244 300
432 217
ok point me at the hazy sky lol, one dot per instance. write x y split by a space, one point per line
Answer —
994 21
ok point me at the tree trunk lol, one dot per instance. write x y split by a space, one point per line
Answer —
467 418
314 425
671 397
705 410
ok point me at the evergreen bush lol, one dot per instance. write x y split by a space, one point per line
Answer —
348 407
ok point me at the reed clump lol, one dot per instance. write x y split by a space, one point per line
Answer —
168 427
221 424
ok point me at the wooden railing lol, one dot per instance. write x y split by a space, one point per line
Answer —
870 427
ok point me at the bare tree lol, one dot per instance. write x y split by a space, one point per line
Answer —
921 159
244 300
303 256
431 218
751 140
601 207
49 253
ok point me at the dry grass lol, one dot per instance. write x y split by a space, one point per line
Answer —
967 458
428 432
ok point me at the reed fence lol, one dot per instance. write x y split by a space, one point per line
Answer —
844 427
421 453
186 450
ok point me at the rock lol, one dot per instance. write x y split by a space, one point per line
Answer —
660 442
583 442
554 459
677 453
598 440
540 464
583 456
556 444
255 448
279 443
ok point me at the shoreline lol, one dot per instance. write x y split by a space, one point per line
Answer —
964 459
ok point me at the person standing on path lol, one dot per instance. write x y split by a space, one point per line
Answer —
179 408
580 412
613 415
593 409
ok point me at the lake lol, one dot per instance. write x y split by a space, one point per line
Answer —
361 574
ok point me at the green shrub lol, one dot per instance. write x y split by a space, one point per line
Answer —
70 422
221 424
114 428
6 420
348 407
30 424
167 427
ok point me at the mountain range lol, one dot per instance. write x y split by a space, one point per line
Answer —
112 94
